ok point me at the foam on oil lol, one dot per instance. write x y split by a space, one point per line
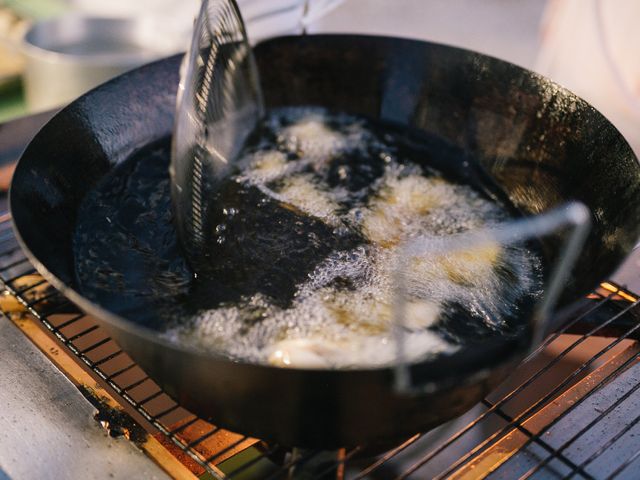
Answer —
304 245
368 197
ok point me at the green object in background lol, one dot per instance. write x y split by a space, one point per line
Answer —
12 102
35 9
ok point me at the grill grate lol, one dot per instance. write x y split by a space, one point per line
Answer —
540 425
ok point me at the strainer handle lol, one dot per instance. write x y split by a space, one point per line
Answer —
573 216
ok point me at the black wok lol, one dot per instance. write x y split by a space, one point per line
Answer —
535 140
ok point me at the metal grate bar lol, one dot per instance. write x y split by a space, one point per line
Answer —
95 345
387 456
202 438
11 280
5 220
527 413
591 424
9 244
534 438
608 444
84 332
135 384
185 425
339 463
588 392
555 335
158 416
108 358
109 378
522 386
624 465
11 265
150 397
54 309
66 323
30 287
6 234
219 454
509 396
49 296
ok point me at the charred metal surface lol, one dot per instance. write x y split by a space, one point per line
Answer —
116 422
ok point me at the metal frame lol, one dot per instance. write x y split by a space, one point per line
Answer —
573 216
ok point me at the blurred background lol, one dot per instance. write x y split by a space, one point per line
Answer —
51 51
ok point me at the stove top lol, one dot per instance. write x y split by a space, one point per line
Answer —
47 427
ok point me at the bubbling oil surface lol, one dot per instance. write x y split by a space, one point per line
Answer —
304 244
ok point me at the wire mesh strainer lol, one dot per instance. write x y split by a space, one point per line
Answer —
219 102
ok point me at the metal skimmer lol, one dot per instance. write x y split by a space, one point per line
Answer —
219 102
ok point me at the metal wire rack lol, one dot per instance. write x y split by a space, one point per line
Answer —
570 411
